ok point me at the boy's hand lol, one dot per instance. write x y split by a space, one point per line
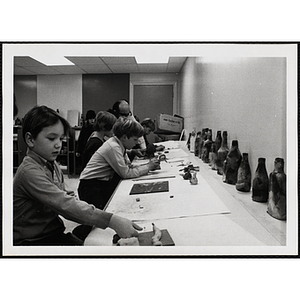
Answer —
154 164
160 148
124 227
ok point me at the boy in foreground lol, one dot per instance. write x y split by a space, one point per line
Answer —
39 195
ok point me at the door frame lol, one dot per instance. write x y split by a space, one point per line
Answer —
175 92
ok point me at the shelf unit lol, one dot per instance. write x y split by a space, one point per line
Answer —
19 147
74 162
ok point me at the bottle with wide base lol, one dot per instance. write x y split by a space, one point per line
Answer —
277 191
232 163
213 156
243 183
188 143
197 142
222 154
260 183
218 140
207 147
201 142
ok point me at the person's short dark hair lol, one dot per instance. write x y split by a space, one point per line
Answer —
90 114
148 123
40 117
104 121
129 127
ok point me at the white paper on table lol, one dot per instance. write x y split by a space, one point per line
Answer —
182 200
169 144
176 153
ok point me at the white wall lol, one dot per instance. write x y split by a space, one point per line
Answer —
63 92
245 96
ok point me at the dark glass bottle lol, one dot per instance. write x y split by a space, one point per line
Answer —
197 141
213 156
218 140
244 175
222 154
203 139
232 163
260 184
277 191
207 146
188 143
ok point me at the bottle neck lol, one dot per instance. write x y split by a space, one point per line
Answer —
261 164
224 141
235 144
245 157
278 165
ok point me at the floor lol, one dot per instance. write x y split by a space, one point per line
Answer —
275 227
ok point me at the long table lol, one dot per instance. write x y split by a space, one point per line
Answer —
201 218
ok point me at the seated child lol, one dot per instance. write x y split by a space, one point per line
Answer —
39 195
149 148
85 132
110 163
103 128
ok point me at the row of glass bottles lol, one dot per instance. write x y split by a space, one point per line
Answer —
235 169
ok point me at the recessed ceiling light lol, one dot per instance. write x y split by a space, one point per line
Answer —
50 59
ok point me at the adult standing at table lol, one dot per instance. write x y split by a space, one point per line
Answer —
121 108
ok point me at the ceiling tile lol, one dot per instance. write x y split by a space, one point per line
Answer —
118 60
22 71
95 69
43 70
26 61
148 68
176 60
80 60
174 67
68 70
124 68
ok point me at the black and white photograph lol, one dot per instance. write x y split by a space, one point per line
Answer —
150 149
112 184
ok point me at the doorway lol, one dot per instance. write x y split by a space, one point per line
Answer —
152 100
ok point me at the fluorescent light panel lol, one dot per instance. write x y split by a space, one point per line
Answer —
49 59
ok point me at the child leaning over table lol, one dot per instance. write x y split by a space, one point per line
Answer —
103 125
149 126
38 189
109 164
